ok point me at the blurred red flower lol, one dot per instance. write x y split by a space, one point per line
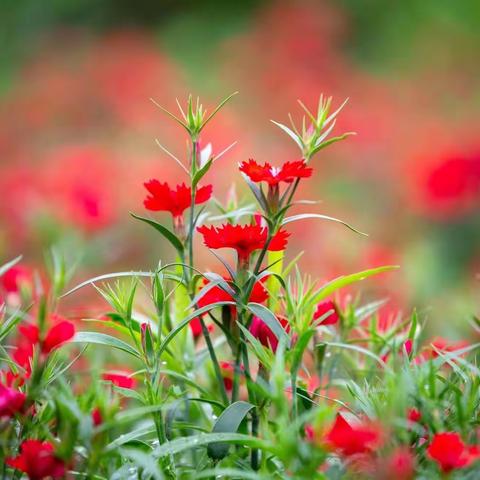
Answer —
81 185
260 330
11 401
353 438
62 331
57 335
287 173
245 239
449 451
322 309
164 198
399 465
196 327
37 459
227 374
14 281
122 380
97 417
414 415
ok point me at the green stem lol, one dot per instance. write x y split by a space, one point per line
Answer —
216 365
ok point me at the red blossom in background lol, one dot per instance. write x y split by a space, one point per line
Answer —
322 309
57 335
196 327
441 344
11 401
245 239
449 451
37 459
260 330
61 332
227 374
451 185
353 438
399 465
414 415
287 173
164 198
15 278
97 417
122 380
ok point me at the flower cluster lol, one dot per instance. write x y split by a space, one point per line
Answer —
307 380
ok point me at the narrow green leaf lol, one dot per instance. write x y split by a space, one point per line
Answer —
5 268
201 172
304 216
289 132
345 280
186 321
106 340
107 276
268 317
167 234
228 422
186 443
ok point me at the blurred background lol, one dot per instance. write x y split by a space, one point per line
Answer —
78 130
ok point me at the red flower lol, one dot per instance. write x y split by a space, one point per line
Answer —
97 417
37 459
122 380
287 173
58 335
216 294
414 415
227 374
260 330
245 239
163 198
441 344
353 438
11 401
399 465
449 451
15 278
322 309
196 327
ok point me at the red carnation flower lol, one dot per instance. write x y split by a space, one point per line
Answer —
58 335
163 198
322 309
261 331
37 459
449 451
11 401
353 438
217 294
287 173
122 380
245 239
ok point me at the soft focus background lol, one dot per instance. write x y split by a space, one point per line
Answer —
78 130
